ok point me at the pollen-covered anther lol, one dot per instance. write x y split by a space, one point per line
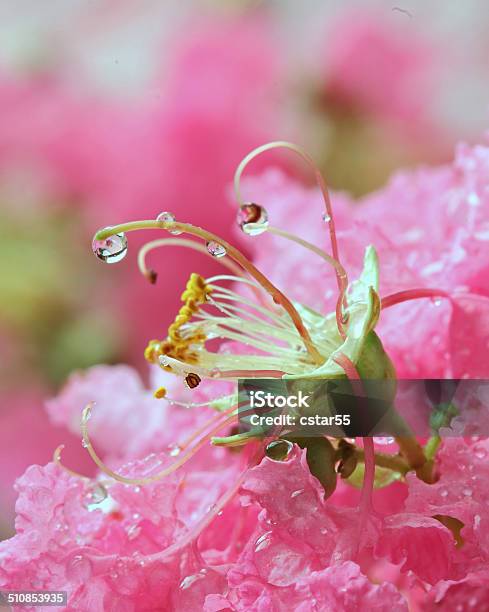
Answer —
178 343
192 380
160 393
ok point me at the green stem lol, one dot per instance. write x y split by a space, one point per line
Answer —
431 447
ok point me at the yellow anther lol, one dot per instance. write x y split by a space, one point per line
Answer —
175 345
159 393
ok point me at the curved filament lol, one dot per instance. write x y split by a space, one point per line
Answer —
319 179
57 461
339 270
189 244
199 431
145 479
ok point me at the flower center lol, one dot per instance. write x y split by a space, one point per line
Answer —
180 345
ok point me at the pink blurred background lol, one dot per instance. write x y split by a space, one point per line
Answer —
118 111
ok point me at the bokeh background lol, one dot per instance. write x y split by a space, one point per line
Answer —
112 111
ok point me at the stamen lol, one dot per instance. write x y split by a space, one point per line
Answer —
341 274
160 393
189 244
213 403
57 461
192 380
148 479
276 294
198 432
181 369
319 178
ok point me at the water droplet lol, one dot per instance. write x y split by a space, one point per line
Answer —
263 541
444 493
79 568
215 249
97 494
323 530
112 249
480 453
188 581
133 532
84 443
279 450
467 492
297 493
168 217
255 214
326 218
383 440
436 301
174 450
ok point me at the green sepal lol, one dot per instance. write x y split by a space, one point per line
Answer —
361 345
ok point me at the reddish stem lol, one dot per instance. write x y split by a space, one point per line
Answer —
368 444
412 294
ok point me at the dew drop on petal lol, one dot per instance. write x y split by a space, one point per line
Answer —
215 249
188 581
263 541
97 494
383 440
480 453
174 450
168 217
133 532
326 218
251 213
78 568
111 249
444 493
279 450
84 443
297 493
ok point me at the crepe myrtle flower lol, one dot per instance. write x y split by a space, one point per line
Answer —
271 337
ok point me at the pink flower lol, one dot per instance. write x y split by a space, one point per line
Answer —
430 228
219 533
